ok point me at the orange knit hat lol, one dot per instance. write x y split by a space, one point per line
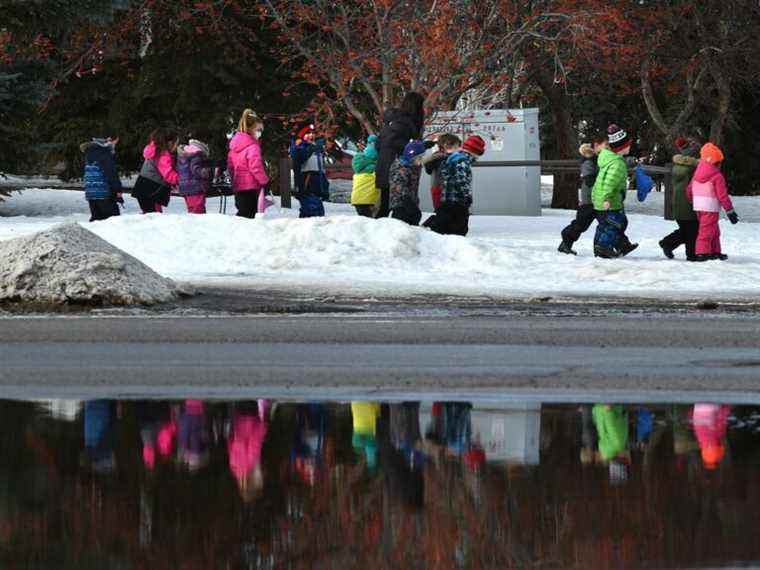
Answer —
711 153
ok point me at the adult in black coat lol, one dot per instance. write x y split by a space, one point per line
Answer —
399 127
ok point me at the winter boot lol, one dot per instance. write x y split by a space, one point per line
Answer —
719 256
565 247
700 257
627 247
604 252
668 251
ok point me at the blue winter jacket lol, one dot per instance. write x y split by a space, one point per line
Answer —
313 183
101 181
456 177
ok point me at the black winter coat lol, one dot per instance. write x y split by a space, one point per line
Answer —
398 129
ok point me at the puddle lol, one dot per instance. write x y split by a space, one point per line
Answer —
287 484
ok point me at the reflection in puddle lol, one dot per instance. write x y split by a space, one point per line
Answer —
266 484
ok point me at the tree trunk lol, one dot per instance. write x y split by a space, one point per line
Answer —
565 194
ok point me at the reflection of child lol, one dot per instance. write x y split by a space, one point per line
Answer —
710 423
365 422
192 440
249 429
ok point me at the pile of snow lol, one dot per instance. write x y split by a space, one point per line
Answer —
503 257
69 264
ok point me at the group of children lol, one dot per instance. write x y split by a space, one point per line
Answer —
450 166
699 188
189 169
699 193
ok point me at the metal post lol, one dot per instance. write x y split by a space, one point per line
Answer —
285 187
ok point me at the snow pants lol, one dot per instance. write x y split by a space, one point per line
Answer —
365 210
584 217
196 204
311 206
247 203
408 212
685 235
708 238
103 209
610 231
385 203
450 219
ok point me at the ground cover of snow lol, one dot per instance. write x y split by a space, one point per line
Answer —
504 257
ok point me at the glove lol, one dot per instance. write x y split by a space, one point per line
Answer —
733 217
430 144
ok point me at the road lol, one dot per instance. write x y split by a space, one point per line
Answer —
660 355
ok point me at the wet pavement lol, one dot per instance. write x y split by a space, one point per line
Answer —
264 483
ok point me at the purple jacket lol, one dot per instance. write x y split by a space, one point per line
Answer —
194 169
245 164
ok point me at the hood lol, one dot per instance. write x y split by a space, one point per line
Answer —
194 147
102 143
705 171
683 160
606 157
586 151
241 141
149 152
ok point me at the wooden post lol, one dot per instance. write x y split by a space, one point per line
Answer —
285 187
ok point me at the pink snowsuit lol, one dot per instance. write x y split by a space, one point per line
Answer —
708 192
245 443
245 164
710 423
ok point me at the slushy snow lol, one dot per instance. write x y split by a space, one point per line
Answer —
503 257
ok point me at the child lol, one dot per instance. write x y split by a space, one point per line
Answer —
585 215
365 194
447 144
312 186
102 187
404 181
707 191
157 174
453 214
195 173
245 164
608 195
684 165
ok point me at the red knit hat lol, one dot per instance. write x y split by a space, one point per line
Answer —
475 145
305 131
680 143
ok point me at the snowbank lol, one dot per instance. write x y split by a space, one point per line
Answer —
69 264
502 257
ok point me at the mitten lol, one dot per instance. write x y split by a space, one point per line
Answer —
733 217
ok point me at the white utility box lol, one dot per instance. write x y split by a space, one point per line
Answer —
509 135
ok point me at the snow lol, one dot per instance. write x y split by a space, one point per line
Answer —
503 257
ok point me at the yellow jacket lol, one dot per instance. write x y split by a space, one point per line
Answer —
364 192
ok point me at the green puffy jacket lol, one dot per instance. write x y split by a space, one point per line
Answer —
611 182
683 170
365 162
611 423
